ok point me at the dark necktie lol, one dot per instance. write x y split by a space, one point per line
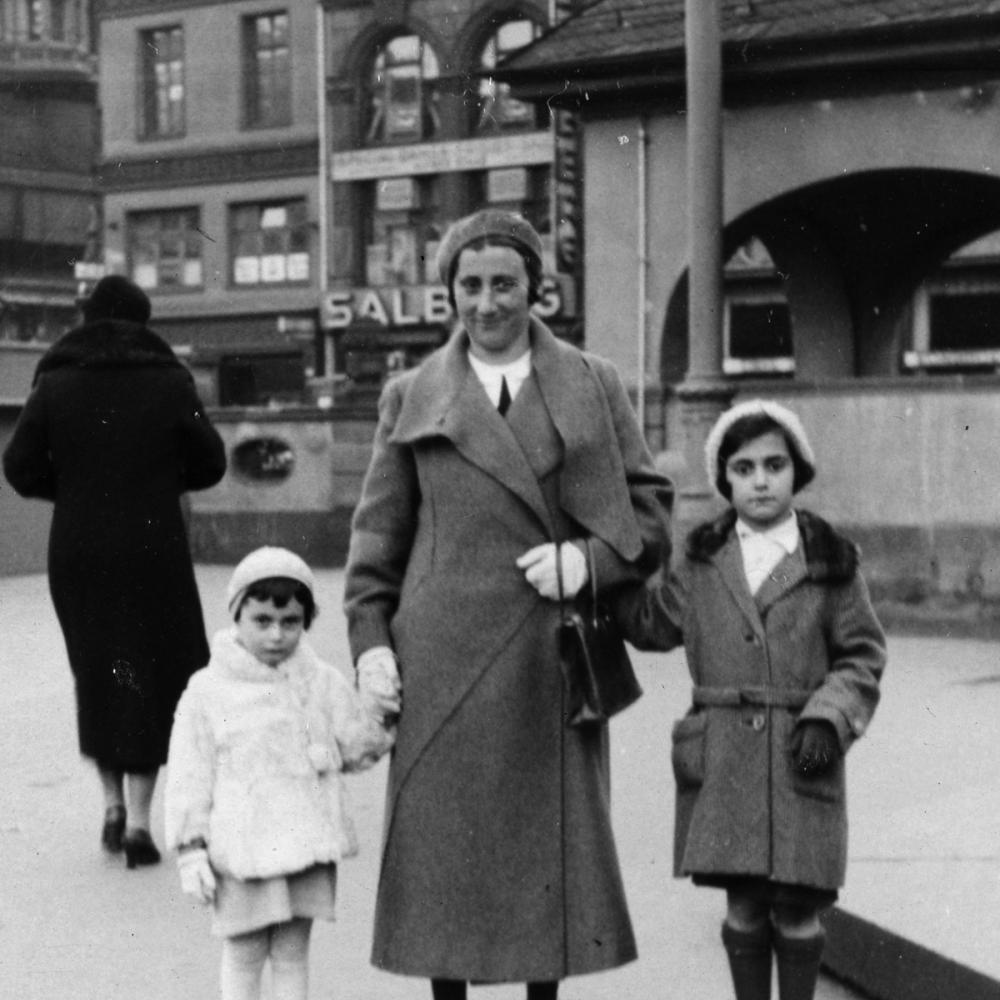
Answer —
504 403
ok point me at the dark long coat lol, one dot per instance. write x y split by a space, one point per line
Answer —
113 433
806 646
498 862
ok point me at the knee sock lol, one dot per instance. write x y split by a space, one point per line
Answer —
798 965
290 959
448 989
243 959
543 991
749 961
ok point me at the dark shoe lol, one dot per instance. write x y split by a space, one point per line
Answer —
113 830
139 849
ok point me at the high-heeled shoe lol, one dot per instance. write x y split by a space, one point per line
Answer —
139 848
113 831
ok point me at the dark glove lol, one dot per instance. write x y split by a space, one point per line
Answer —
815 747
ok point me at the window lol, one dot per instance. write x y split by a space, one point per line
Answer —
164 249
401 246
270 243
402 96
496 109
956 313
268 71
162 83
757 324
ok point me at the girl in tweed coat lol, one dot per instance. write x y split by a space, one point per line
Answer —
785 653
254 800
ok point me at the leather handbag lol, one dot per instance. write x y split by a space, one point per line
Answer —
597 671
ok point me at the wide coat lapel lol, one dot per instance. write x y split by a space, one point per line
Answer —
729 563
789 573
445 399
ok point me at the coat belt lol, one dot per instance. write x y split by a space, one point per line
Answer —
772 697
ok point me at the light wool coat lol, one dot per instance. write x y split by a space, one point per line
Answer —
806 646
499 861
255 760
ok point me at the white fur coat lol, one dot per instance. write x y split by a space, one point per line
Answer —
255 759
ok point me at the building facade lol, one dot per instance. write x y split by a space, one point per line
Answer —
49 210
421 133
861 264
208 167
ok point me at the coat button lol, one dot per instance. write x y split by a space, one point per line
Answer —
758 722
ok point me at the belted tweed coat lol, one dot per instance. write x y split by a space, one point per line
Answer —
499 862
807 646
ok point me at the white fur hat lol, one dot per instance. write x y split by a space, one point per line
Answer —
262 564
782 416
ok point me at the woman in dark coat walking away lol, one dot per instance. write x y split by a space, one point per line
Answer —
785 653
113 433
499 862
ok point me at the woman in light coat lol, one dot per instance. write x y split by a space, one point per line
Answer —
499 862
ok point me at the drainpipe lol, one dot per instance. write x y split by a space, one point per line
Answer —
642 252
323 194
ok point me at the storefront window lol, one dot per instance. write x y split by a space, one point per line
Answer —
164 249
402 94
270 243
403 243
496 109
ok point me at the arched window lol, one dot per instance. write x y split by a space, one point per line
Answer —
496 109
402 96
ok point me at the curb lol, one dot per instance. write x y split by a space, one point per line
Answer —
885 966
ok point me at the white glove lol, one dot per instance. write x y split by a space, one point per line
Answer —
197 878
539 565
378 682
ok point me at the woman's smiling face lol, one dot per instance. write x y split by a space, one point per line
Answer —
491 299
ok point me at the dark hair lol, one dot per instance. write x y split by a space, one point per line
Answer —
280 589
746 429
532 264
115 297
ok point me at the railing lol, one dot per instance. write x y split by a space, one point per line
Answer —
44 54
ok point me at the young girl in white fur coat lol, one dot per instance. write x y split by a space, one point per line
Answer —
254 799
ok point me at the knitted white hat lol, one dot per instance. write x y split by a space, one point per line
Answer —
782 416
262 564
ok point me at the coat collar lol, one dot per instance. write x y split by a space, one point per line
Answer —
443 398
108 344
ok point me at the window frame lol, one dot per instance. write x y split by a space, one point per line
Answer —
151 87
302 228
279 98
188 235
426 67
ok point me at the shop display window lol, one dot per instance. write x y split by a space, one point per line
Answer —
165 249
162 83
402 94
404 237
267 70
496 110
270 243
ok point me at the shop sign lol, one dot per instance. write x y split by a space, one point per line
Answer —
414 305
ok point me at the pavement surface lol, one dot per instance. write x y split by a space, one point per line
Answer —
921 901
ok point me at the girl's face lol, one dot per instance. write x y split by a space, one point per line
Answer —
268 632
761 475
491 298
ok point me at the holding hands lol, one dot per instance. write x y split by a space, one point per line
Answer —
539 565
197 878
378 682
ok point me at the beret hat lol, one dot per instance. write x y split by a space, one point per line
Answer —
781 415
263 564
486 222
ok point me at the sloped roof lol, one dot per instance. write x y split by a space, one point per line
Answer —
609 31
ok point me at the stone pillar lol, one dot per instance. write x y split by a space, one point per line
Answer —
703 394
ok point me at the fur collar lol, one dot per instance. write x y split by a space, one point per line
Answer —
108 344
830 557
231 660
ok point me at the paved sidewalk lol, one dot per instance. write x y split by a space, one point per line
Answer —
922 879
